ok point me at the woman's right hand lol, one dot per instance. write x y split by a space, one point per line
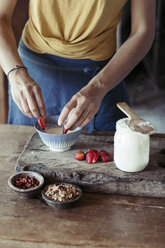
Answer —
26 94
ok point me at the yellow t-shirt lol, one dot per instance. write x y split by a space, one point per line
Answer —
77 29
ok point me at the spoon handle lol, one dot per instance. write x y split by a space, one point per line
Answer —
123 106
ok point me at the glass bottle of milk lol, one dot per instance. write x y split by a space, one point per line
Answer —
131 149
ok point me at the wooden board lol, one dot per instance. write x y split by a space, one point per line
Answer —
99 177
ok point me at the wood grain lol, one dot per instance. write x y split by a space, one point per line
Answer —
99 220
99 177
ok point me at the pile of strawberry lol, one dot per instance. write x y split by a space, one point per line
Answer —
92 156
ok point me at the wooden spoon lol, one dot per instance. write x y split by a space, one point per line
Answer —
136 123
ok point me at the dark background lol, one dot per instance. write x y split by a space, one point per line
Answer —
149 74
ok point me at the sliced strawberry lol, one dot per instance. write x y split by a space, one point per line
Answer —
64 131
92 156
80 155
42 122
105 156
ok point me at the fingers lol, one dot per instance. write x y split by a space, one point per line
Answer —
19 104
80 110
84 117
82 107
32 106
80 115
25 108
29 100
78 103
40 101
35 102
66 111
74 117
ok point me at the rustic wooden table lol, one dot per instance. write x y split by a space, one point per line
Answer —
99 220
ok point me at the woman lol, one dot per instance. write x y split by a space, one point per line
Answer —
67 62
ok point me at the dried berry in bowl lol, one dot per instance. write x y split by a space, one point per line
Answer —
62 195
26 184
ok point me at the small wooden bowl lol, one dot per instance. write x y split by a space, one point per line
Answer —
26 193
61 204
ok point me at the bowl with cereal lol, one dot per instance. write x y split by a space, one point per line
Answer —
61 195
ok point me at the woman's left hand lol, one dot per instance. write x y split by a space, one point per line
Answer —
83 105
86 103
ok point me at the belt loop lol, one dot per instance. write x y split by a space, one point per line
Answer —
95 68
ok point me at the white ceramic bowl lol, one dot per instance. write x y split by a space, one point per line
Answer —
57 142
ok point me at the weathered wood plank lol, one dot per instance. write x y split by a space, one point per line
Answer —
99 177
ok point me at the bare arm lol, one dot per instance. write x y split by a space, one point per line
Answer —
136 46
25 92
8 47
86 103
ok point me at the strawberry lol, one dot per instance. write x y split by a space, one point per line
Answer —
64 131
102 152
92 156
105 156
80 155
42 122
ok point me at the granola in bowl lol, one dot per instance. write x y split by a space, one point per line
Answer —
61 195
